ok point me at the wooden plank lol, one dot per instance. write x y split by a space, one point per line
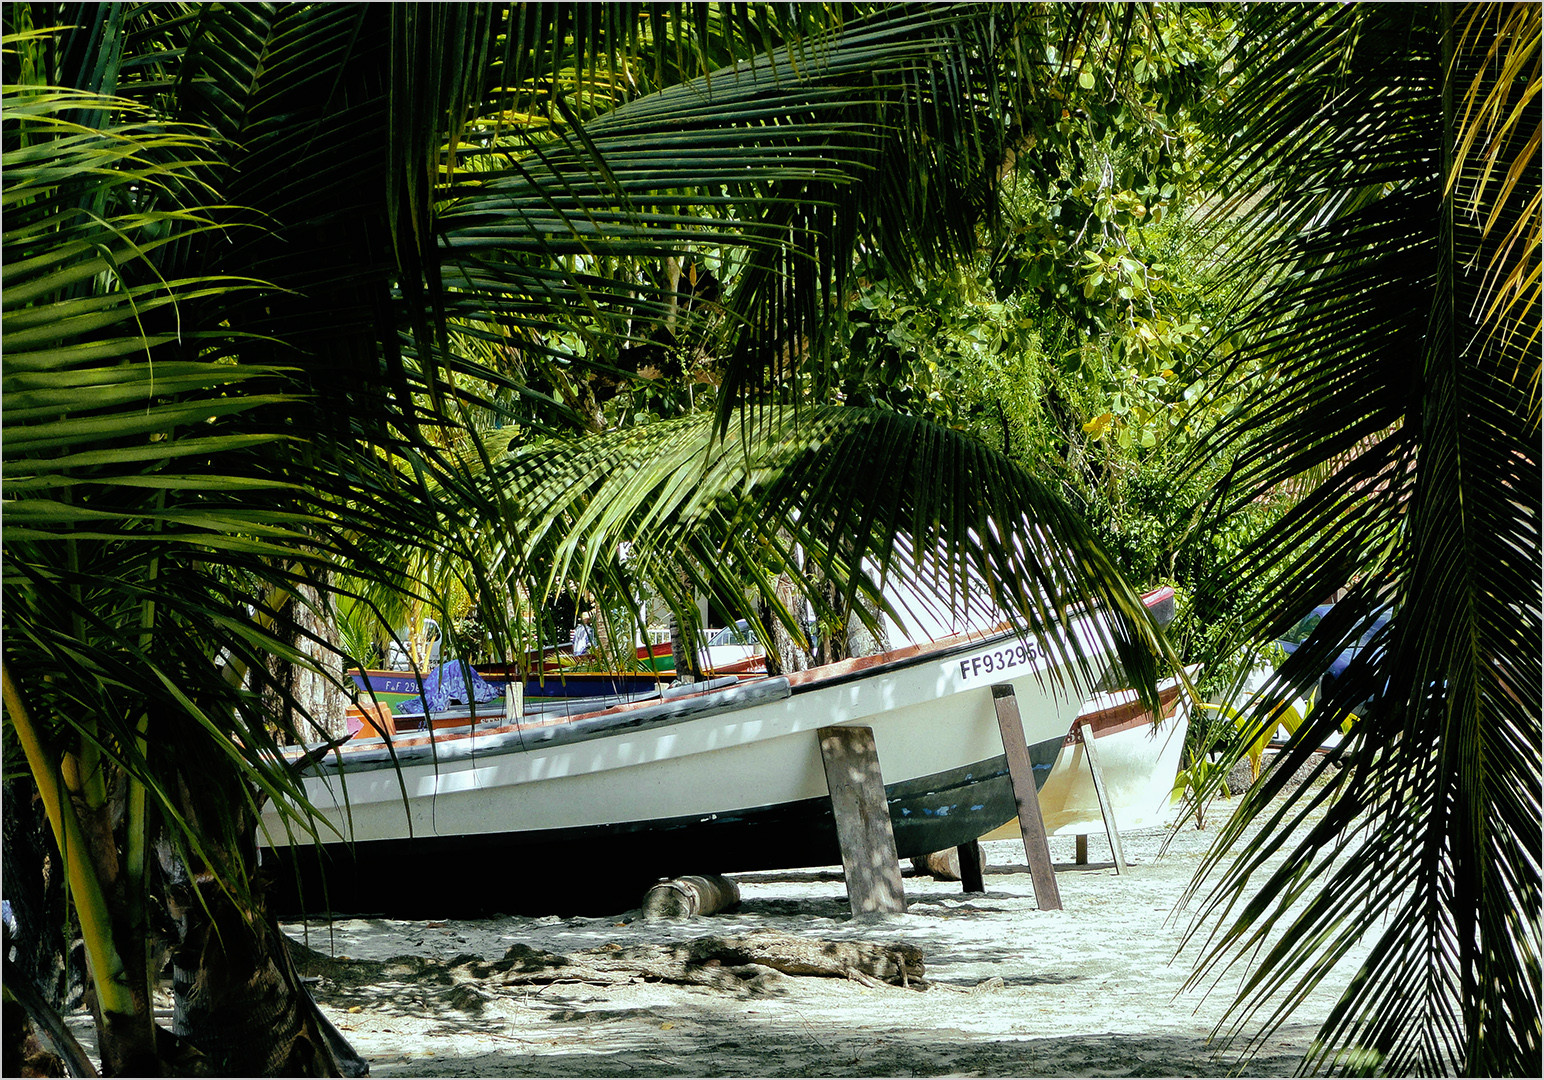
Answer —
1106 808
972 870
863 828
1021 774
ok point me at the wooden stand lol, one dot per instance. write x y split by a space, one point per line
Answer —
1106 807
972 867
1037 852
863 829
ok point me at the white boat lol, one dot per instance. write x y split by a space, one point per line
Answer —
546 815
1138 760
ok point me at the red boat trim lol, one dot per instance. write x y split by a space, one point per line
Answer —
1122 717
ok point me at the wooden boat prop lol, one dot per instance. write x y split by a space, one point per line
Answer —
1138 759
581 814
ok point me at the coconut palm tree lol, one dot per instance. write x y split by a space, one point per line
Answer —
1389 160
246 248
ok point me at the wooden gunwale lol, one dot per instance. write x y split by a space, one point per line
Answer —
799 682
1125 716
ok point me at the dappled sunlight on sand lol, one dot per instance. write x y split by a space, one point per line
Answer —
1086 991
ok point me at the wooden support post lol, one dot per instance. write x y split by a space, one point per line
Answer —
1021 774
1106 808
972 867
1080 850
863 829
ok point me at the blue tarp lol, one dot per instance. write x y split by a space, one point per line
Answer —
447 684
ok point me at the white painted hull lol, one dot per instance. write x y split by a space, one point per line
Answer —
565 815
1138 762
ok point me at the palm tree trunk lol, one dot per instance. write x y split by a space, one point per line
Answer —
687 668
35 920
861 641
79 815
309 701
238 1002
843 634
785 654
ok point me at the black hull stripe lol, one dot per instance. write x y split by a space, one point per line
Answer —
598 869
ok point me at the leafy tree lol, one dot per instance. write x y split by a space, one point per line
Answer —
1072 340
246 248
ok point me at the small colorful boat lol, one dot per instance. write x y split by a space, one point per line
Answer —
452 682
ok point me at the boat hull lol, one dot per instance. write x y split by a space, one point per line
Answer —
578 815
602 868
1137 759
731 779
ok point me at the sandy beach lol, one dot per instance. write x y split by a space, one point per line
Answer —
1008 990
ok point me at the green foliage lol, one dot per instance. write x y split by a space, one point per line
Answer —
1198 782
1076 341
269 275
851 487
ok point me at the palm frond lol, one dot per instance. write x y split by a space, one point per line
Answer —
1501 96
792 157
871 495
1369 332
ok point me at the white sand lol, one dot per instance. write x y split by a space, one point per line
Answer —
1086 991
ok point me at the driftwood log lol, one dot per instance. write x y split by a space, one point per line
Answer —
717 961
693 894
745 962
